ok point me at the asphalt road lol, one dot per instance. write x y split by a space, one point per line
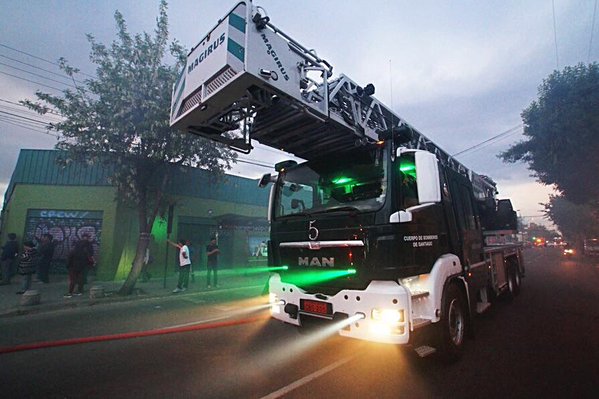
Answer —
544 344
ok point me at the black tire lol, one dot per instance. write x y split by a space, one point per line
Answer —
517 279
513 283
454 319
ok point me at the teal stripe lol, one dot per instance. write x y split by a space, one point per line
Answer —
237 22
236 49
178 96
180 89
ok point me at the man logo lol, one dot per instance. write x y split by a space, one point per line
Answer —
318 262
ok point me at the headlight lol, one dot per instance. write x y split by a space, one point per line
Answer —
276 304
389 316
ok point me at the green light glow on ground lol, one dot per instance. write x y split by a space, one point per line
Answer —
244 271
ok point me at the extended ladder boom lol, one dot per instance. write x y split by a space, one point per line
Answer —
247 80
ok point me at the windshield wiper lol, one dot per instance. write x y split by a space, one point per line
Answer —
295 214
346 208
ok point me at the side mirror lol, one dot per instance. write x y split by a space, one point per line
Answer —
298 203
266 178
427 177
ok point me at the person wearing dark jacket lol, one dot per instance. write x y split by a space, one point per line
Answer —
80 258
46 250
28 265
10 252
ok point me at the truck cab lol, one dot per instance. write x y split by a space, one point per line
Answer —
378 222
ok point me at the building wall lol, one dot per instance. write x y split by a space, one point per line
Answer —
194 219
55 199
77 198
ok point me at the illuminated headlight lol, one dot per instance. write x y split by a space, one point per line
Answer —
568 251
276 304
388 316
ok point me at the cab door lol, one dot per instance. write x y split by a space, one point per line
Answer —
469 231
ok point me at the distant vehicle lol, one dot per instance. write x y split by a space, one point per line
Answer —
591 247
540 242
568 250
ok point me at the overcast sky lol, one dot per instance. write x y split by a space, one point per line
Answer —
460 71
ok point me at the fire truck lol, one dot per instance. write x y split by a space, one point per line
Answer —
379 229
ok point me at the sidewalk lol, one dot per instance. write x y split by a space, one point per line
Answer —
52 293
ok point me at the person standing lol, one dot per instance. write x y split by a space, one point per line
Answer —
191 258
28 265
46 250
212 253
80 258
10 252
148 259
184 266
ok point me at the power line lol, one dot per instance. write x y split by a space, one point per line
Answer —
26 118
24 106
508 132
18 122
592 29
29 113
38 75
29 128
41 69
31 81
40 58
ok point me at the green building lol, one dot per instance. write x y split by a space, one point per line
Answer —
43 197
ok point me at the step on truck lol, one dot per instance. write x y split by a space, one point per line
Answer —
379 229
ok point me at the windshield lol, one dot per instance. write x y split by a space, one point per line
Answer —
354 180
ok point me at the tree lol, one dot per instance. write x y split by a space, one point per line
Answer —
121 118
576 222
538 230
562 127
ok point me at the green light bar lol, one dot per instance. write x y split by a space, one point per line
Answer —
318 276
407 168
341 180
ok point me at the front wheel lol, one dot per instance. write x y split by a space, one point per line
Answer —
453 324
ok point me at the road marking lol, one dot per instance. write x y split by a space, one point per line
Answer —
303 381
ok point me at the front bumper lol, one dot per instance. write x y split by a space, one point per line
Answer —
379 299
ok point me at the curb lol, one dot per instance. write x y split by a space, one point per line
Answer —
111 297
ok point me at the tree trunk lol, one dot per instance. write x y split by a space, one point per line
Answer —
142 244
145 228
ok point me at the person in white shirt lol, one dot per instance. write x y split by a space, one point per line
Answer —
184 266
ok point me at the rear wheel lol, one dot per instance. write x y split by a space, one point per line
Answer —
513 282
453 324
517 279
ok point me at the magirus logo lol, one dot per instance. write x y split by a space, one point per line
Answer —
203 55
315 261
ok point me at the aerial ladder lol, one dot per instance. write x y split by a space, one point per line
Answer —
248 80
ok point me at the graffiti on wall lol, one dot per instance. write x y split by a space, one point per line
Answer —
66 227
